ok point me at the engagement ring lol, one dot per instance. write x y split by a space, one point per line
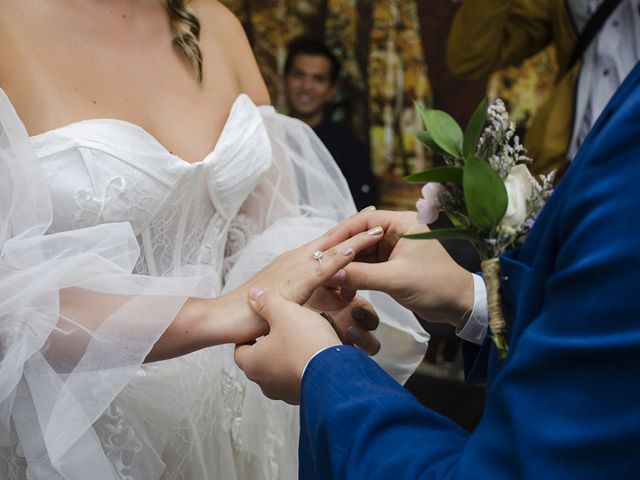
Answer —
318 256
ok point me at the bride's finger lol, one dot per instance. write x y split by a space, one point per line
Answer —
364 340
364 241
347 294
366 317
330 261
354 335
337 280
360 222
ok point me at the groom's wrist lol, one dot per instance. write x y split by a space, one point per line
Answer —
314 356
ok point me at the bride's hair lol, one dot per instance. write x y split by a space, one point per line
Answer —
186 28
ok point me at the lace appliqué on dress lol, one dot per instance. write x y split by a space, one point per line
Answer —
120 443
242 229
233 397
275 440
91 207
13 465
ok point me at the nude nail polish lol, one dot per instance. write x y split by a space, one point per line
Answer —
256 292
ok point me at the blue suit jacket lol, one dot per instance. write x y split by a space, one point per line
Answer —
566 402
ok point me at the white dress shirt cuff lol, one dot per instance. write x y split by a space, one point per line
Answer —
475 330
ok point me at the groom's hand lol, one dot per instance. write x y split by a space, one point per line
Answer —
418 274
276 361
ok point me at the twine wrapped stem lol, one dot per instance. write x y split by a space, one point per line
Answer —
497 324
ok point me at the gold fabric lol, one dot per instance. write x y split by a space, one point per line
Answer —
488 35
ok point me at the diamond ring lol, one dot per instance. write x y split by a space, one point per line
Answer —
318 256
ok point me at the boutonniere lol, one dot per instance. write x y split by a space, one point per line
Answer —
485 189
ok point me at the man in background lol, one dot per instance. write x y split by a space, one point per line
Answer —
310 76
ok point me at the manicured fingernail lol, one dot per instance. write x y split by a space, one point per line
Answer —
364 318
370 208
358 313
347 251
375 231
354 333
340 275
256 292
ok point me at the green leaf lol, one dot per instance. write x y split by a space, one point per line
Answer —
484 193
446 234
438 174
443 129
427 140
474 129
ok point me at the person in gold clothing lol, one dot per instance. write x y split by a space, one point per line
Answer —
588 36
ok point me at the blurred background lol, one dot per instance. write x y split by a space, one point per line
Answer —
392 54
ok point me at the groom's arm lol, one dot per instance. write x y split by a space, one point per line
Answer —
358 423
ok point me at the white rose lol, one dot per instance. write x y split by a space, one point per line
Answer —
518 185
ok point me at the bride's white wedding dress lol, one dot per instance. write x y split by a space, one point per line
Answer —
104 234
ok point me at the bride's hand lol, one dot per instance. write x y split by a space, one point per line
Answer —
352 318
295 275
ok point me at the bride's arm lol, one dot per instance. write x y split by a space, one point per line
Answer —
200 323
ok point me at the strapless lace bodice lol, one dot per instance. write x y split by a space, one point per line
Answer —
106 170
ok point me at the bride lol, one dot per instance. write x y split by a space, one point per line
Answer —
145 185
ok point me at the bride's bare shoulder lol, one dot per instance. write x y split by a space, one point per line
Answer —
221 28
213 10
9 43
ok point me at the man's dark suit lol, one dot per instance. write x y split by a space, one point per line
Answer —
566 402
353 159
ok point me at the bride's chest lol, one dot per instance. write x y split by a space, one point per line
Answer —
105 170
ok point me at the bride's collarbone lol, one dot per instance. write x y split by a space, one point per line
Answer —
186 127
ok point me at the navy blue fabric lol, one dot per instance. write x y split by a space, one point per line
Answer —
475 361
565 404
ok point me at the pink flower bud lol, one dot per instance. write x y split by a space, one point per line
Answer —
428 206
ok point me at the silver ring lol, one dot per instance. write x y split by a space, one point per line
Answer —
318 256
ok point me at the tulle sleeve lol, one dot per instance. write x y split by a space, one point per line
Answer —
75 323
300 197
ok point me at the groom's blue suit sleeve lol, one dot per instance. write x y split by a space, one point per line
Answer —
364 425
565 404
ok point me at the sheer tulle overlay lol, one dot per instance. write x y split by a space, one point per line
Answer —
104 234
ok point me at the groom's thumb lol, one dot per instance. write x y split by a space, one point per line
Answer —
265 303
367 276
